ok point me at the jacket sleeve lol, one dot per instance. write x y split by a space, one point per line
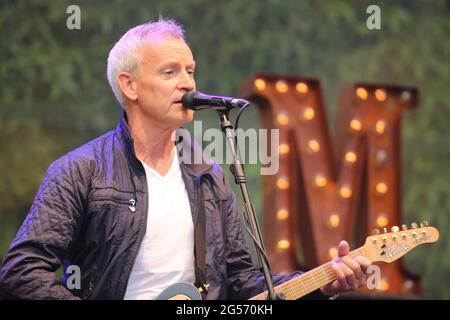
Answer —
244 280
45 237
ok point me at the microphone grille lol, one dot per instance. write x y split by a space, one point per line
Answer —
188 99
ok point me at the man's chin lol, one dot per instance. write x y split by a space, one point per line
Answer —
189 117
185 116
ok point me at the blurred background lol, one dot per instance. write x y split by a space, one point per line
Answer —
54 95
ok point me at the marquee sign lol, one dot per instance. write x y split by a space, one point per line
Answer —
328 190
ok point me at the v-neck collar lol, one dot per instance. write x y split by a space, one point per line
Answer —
172 169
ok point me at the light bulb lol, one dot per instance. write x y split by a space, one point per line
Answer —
283 183
320 180
283 118
350 157
355 124
282 214
301 87
260 84
283 244
281 86
380 95
362 93
308 113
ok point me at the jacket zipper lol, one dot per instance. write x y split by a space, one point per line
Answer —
113 198
131 202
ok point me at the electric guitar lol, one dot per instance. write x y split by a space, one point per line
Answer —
386 247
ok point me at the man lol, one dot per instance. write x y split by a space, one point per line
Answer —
124 207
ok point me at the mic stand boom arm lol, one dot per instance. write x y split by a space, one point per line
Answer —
249 213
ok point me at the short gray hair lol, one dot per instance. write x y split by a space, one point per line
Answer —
124 56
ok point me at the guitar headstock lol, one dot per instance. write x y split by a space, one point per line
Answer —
390 246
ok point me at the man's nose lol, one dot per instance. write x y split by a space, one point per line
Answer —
187 82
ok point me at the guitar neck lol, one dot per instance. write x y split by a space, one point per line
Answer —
308 281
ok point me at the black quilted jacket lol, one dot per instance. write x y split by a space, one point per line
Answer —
91 211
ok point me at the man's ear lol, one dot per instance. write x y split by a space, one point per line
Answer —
127 85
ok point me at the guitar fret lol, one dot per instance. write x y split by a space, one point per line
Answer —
326 276
314 279
292 290
301 281
360 251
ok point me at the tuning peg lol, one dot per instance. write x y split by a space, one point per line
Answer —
424 224
375 232
404 227
395 229
414 225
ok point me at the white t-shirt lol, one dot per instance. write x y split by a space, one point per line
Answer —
166 255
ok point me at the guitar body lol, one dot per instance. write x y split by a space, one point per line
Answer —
180 291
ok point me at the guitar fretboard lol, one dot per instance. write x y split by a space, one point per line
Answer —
308 281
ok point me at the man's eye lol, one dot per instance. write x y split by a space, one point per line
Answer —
168 72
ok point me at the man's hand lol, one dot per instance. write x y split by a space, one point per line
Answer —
350 272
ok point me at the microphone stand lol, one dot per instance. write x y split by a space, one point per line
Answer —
249 213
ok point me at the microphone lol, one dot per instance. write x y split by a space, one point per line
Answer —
196 100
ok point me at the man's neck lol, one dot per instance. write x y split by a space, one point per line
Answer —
153 145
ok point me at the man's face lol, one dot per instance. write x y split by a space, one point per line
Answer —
166 73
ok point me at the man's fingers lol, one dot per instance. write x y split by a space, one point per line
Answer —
340 277
363 262
360 276
350 272
350 277
343 248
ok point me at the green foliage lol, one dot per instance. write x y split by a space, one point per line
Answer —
54 95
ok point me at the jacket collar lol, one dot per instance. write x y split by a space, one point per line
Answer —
192 157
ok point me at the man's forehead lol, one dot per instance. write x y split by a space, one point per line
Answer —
165 48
